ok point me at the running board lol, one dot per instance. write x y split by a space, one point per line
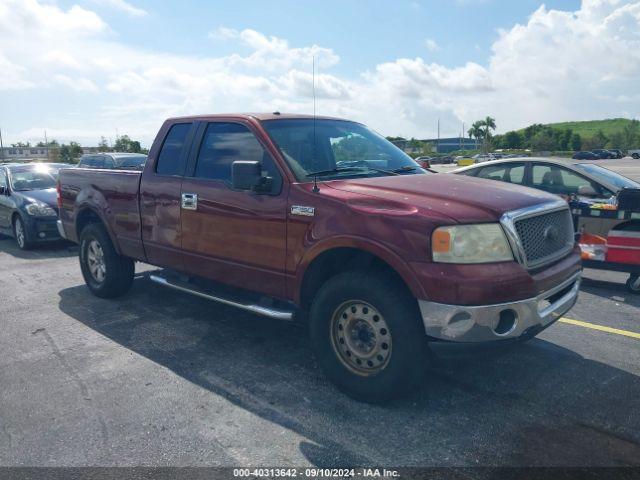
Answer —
193 290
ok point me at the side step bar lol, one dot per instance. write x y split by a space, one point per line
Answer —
257 309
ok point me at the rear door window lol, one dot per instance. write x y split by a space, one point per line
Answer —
172 157
559 180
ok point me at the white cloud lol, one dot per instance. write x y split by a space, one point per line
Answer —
556 66
124 6
431 45
223 33
61 59
79 84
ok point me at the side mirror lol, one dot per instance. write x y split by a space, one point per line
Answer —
587 191
247 175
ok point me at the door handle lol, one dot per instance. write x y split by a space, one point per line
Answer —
190 201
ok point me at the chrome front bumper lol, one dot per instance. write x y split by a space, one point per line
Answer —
486 323
61 229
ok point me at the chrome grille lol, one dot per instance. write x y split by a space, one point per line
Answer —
545 237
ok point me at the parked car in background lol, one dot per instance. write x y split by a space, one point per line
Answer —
28 204
377 255
113 160
585 155
424 162
634 154
602 153
445 159
615 153
564 178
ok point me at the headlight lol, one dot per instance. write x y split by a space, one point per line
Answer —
40 209
482 243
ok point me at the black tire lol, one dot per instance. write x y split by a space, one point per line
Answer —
116 277
633 283
402 369
20 234
635 156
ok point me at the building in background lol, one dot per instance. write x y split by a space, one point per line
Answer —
442 145
23 154
451 144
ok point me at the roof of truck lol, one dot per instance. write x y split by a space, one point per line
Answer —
258 116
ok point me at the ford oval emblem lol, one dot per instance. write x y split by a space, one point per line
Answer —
551 233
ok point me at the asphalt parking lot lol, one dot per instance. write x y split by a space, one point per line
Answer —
159 378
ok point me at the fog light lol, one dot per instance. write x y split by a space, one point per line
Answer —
42 234
506 322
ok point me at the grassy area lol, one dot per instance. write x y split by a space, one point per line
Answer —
588 128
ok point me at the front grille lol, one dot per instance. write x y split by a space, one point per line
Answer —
545 237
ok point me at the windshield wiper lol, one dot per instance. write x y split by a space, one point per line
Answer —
406 168
333 171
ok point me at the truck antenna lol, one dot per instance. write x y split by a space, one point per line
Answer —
313 90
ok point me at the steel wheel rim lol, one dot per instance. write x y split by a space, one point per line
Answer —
635 283
95 261
360 337
19 233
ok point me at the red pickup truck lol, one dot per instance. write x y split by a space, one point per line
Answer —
324 221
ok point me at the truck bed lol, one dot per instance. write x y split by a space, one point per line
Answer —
113 196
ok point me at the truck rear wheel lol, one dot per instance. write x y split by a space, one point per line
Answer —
368 336
106 273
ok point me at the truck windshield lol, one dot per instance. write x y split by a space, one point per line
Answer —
340 149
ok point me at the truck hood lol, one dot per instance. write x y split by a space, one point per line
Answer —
461 198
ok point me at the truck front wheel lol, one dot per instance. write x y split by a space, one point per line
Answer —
368 336
106 273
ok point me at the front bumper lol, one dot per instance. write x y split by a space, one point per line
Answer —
42 229
487 323
61 231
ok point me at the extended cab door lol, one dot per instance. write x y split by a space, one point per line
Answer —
236 237
160 196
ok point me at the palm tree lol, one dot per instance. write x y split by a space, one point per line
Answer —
476 131
489 124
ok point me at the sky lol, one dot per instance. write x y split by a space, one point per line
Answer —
84 69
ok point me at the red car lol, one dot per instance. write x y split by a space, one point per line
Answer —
323 221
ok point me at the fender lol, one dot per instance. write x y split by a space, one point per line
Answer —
385 254
83 207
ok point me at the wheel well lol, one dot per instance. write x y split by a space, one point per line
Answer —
86 217
332 262
13 218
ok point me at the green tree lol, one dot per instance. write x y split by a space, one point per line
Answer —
631 134
75 151
576 142
543 141
103 146
489 124
512 140
125 144
599 140
564 139
476 130
616 140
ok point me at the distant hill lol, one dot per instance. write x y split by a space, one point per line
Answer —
588 128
